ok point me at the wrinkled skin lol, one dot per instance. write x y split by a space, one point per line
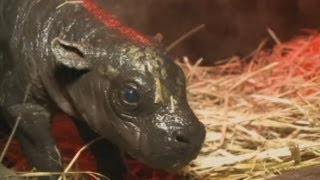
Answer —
130 93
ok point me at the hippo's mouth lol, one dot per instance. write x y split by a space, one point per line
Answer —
169 161
166 157
172 159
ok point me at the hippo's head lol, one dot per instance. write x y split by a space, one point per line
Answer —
134 96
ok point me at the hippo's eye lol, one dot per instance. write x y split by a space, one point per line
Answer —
129 96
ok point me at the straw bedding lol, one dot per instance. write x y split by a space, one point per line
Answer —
262 117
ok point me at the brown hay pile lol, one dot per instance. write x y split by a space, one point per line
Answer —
261 117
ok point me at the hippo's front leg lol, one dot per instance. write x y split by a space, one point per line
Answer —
34 133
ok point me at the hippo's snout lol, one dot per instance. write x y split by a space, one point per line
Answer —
186 146
190 137
179 138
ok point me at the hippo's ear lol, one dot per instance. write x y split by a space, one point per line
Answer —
69 54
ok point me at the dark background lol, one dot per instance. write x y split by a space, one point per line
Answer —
233 27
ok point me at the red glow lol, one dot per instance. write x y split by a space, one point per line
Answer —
112 22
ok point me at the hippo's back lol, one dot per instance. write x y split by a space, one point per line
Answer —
21 24
27 28
30 25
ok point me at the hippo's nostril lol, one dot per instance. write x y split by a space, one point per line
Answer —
182 139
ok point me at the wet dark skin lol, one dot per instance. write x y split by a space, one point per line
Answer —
128 92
